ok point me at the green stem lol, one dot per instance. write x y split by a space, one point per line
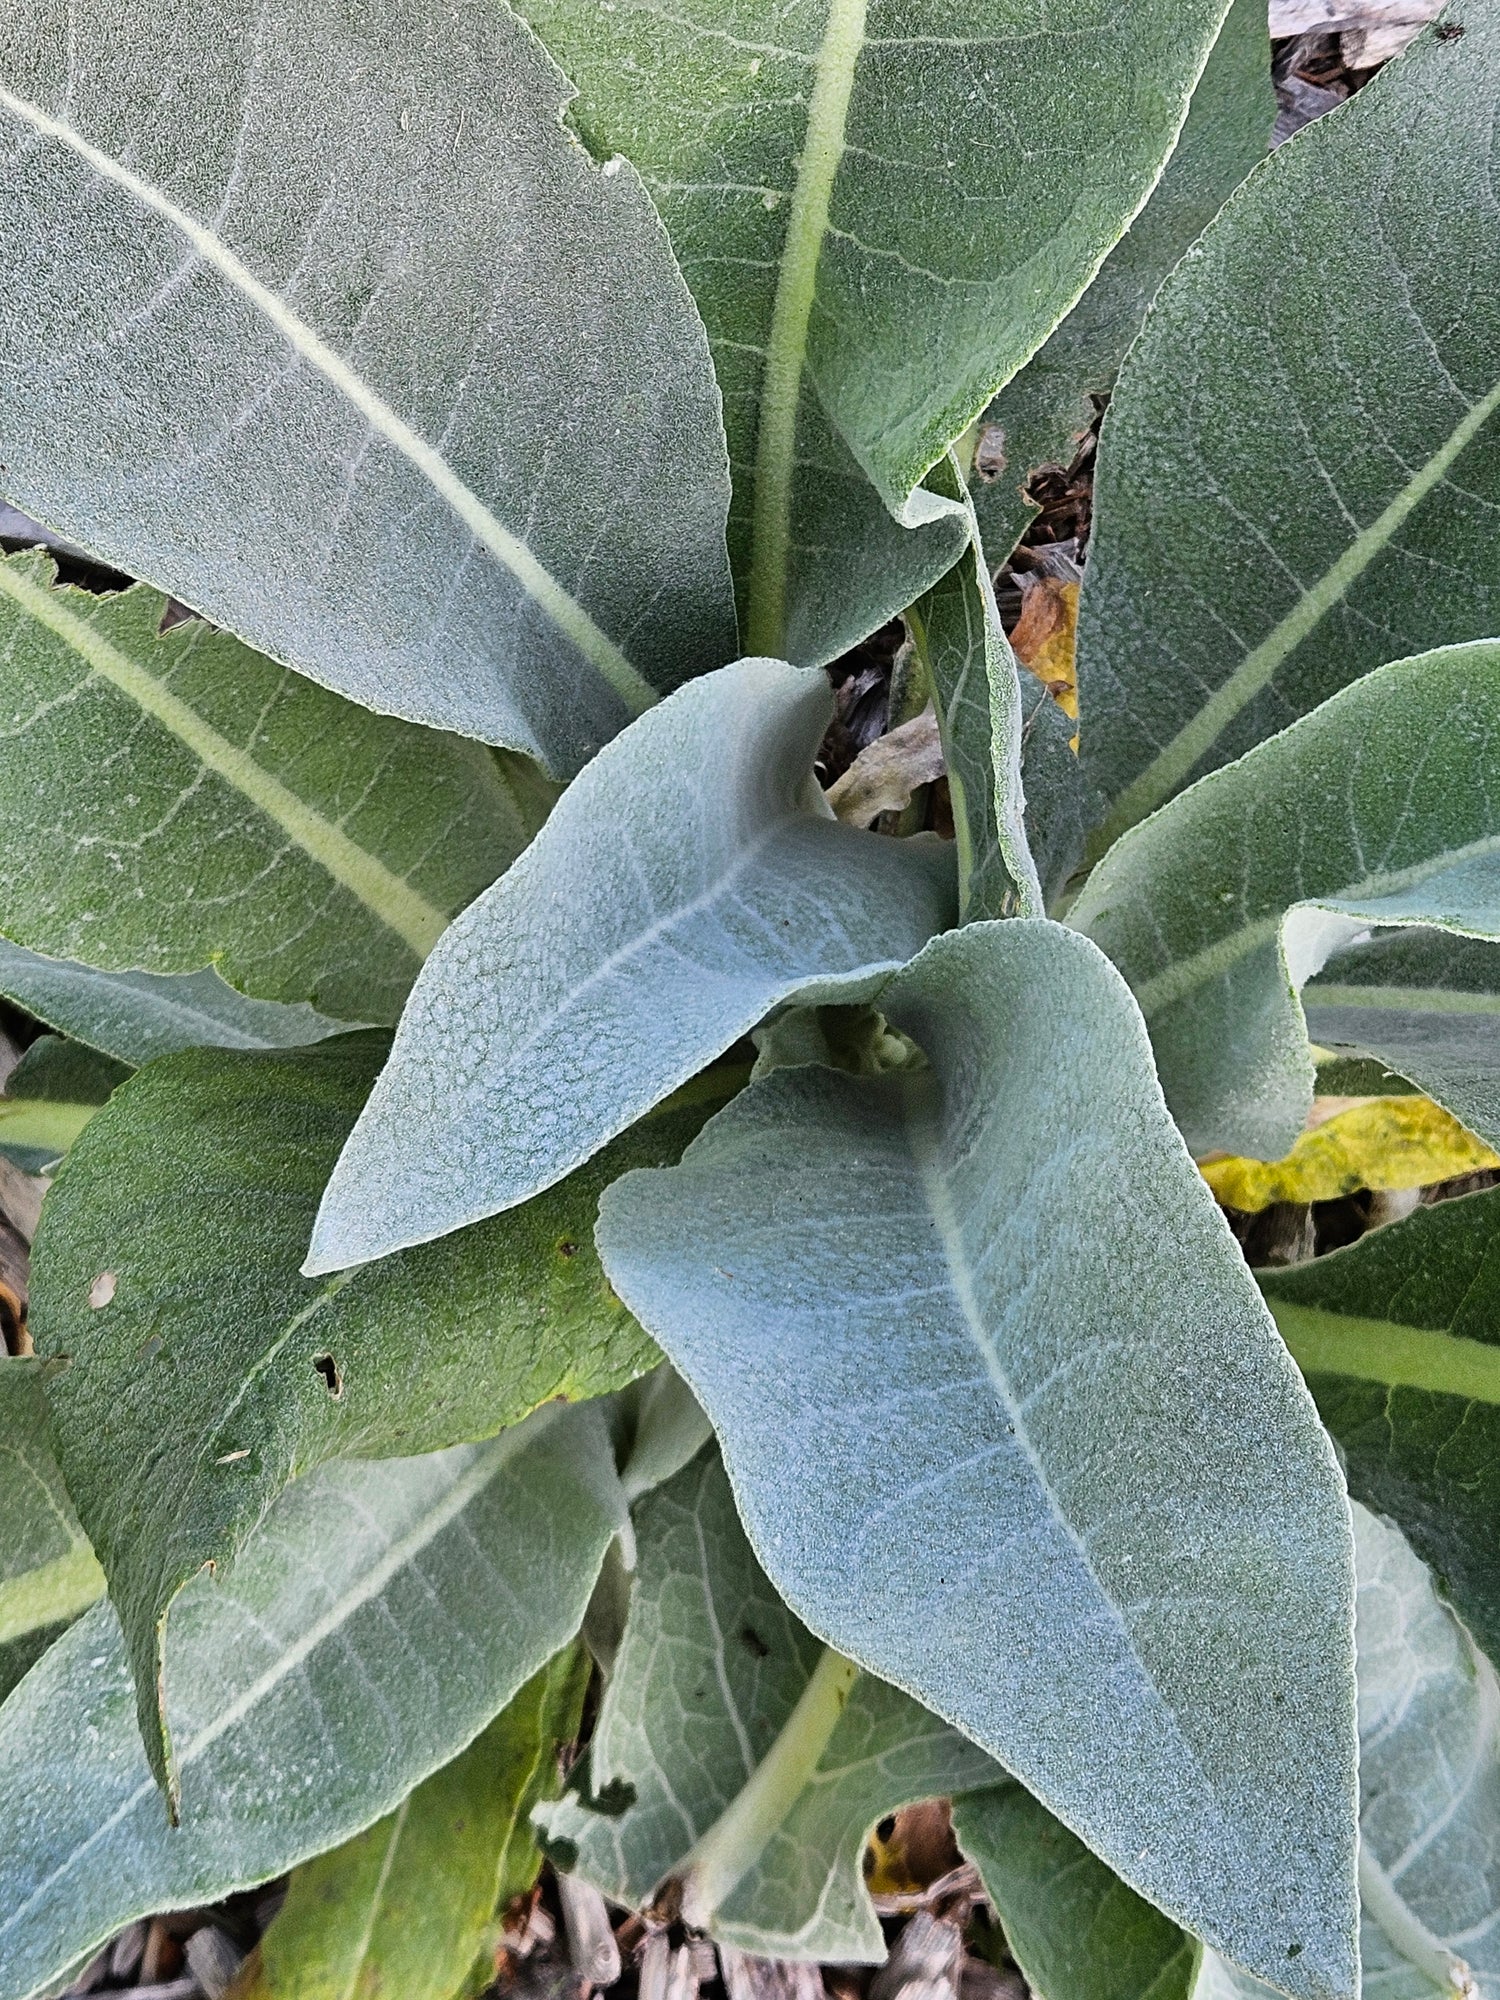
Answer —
738 1838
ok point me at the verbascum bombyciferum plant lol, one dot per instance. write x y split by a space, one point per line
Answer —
529 404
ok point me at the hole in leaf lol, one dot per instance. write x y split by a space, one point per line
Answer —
328 1368
102 1290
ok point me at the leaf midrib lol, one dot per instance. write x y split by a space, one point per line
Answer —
402 909
791 315
540 585
925 1145
1196 738
1401 999
1322 1342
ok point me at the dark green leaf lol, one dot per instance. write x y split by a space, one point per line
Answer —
207 1373
1399 1338
1071 1924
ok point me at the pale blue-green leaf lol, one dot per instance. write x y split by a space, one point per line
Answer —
1042 414
883 208
137 1016
1380 808
1429 1727
354 350
1299 472
668 1428
1008 1424
48 1574
690 880
757 1828
973 674
1070 1923
383 1615
1427 1004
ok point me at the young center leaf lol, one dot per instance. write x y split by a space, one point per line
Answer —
358 353
883 208
961 643
1427 1004
690 880
1399 1338
1008 1425
379 1620
1038 418
1379 809
407 1906
170 799
738 1767
166 1273
1070 1923
1429 1871
1300 468
137 1016
48 1574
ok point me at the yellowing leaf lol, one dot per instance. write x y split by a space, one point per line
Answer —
1373 1142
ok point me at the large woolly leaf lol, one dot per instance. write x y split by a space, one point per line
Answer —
1299 472
1429 1871
137 1016
737 1767
355 351
1399 1338
1071 1924
168 799
1427 1004
689 880
961 644
383 1615
406 1906
1039 417
883 207
1380 808
48 1574
166 1268
1008 1424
